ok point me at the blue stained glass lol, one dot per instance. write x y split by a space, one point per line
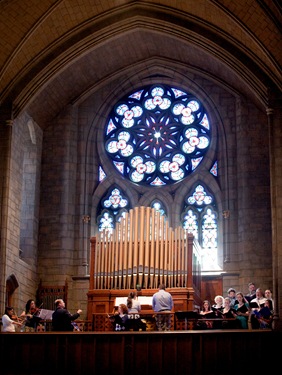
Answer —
102 174
136 95
106 222
157 205
156 123
119 166
200 197
213 169
196 162
209 230
191 223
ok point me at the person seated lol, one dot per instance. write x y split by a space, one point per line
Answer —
120 318
30 314
135 322
8 320
133 304
242 310
264 315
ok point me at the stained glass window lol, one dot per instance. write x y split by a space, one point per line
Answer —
158 206
112 207
102 174
157 135
106 221
200 219
213 169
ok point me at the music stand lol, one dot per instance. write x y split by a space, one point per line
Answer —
45 314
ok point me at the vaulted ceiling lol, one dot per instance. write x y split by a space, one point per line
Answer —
56 52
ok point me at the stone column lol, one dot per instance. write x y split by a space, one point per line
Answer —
6 124
275 156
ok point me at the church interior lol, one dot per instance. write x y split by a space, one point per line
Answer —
140 143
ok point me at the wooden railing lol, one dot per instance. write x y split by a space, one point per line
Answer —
176 353
46 326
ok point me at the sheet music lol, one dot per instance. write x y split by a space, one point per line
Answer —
45 314
142 299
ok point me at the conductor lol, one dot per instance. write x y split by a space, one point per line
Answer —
62 319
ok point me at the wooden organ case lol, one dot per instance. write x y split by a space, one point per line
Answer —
140 253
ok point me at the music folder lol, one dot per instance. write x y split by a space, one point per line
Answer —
254 305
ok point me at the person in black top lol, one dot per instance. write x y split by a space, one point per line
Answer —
62 319
207 312
242 310
31 315
218 308
228 315
120 318
232 295
252 292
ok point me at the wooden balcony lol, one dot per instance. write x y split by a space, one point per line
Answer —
211 352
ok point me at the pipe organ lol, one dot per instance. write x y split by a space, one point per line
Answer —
143 251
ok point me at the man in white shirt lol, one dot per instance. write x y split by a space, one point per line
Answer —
259 300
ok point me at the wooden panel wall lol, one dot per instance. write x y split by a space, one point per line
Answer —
173 353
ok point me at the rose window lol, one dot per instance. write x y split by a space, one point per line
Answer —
157 135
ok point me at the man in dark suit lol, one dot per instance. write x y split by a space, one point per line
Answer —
61 318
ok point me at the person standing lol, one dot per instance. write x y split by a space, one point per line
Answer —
231 293
207 312
268 295
259 298
217 308
264 315
61 318
256 304
9 325
162 302
252 292
242 310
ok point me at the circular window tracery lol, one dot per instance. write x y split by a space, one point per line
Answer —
158 135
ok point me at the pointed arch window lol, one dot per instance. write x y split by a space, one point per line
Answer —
111 208
200 219
106 221
159 207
